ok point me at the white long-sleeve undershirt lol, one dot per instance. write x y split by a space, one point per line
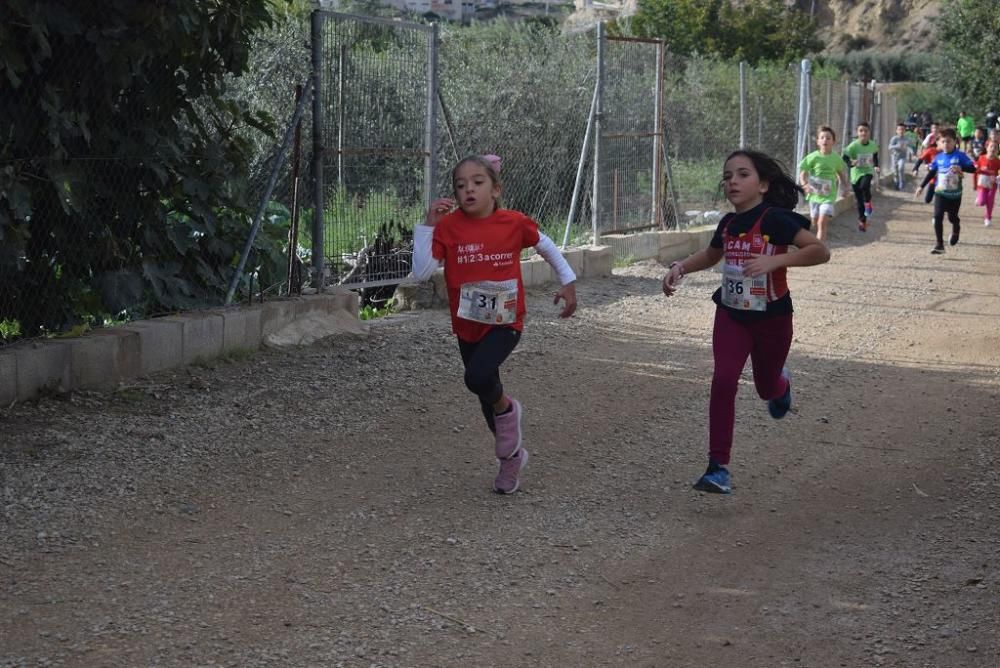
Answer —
424 262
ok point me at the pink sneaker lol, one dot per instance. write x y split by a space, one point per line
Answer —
508 436
509 477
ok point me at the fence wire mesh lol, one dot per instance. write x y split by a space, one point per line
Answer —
522 93
374 90
357 179
630 192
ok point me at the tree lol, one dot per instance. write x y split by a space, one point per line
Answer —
970 38
754 31
121 155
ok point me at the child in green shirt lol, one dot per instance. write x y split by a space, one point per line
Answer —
861 155
818 173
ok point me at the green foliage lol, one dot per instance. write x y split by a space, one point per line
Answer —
119 154
753 31
884 67
9 330
369 312
926 97
970 35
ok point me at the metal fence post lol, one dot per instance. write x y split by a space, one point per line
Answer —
595 207
829 103
743 104
802 120
847 112
657 210
430 139
587 138
318 226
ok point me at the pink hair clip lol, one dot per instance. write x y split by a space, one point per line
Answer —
494 161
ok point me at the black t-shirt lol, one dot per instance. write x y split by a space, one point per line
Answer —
991 119
781 225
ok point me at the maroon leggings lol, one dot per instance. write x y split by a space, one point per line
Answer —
766 343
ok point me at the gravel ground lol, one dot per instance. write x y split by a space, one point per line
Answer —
331 506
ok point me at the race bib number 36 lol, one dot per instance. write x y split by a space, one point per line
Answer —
489 302
742 292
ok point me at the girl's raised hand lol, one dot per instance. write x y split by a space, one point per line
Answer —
439 209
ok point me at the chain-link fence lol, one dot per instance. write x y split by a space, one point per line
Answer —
394 109
374 126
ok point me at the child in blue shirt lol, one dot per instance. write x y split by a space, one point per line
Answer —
947 167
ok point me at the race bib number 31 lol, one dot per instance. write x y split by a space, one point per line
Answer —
489 302
951 181
742 292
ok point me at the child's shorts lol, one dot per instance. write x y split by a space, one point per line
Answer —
817 209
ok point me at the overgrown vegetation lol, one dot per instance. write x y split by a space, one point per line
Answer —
754 30
119 151
970 35
867 64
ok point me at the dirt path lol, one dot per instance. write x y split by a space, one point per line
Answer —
331 506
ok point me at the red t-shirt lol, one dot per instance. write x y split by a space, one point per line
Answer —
482 249
988 166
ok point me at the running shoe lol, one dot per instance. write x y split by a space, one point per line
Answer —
938 250
509 477
778 408
954 235
868 209
715 481
987 222
862 225
508 431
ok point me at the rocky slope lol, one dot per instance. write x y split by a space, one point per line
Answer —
883 25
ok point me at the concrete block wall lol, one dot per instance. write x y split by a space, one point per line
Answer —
106 357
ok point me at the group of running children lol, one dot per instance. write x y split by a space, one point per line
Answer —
479 243
822 170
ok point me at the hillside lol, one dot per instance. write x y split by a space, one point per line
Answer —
885 25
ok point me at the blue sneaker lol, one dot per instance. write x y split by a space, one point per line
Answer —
779 407
716 480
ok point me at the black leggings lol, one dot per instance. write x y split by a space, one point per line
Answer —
862 193
942 206
482 361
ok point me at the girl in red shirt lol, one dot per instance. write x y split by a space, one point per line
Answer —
754 313
480 246
987 168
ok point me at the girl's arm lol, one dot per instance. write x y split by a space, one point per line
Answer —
811 251
567 277
424 262
703 259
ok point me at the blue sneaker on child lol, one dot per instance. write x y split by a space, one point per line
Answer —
779 407
716 480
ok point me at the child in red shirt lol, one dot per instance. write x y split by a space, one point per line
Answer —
480 246
987 168
926 158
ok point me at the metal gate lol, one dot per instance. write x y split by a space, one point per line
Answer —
373 133
629 148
